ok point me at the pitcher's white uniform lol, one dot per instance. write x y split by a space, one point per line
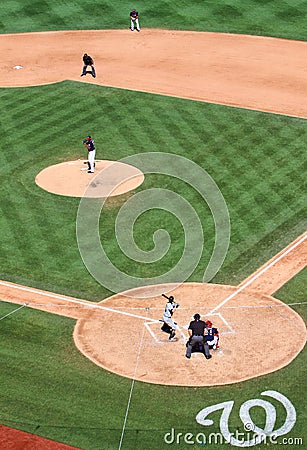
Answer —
90 145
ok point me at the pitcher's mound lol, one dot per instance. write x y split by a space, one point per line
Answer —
72 179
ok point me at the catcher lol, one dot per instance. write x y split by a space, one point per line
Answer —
88 62
212 336
134 20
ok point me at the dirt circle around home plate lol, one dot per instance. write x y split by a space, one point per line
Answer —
71 178
125 336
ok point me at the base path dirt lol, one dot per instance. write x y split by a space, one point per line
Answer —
260 73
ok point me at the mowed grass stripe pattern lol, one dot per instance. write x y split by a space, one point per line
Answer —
255 159
284 18
48 388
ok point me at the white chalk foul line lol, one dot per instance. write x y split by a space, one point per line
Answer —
132 385
258 274
12 312
69 300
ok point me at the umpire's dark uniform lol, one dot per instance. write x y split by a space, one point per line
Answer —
88 61
196 331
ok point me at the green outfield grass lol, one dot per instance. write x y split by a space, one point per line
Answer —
285 18
256 159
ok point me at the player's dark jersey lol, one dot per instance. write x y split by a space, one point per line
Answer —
91 145
88 60
134 14
197 327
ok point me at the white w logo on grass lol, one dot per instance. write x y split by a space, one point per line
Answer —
259 434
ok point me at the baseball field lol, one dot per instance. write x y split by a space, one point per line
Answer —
204 115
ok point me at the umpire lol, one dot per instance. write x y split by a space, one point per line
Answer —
196 332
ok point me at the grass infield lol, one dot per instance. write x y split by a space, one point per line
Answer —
256 159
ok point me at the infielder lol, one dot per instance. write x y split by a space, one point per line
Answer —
171 326
90 145
88 61
134 20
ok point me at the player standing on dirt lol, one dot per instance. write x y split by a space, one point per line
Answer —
170 306
90 145
88 61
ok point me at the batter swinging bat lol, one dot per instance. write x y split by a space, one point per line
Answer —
171 299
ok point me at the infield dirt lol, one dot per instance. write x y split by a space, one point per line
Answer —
252 72
260 73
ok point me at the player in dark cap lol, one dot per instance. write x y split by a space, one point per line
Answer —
196 332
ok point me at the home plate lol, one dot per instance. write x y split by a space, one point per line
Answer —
17 67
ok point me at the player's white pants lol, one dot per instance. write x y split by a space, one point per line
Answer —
91 160
136 23
169 322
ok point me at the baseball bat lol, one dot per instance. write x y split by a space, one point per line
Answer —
170 299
